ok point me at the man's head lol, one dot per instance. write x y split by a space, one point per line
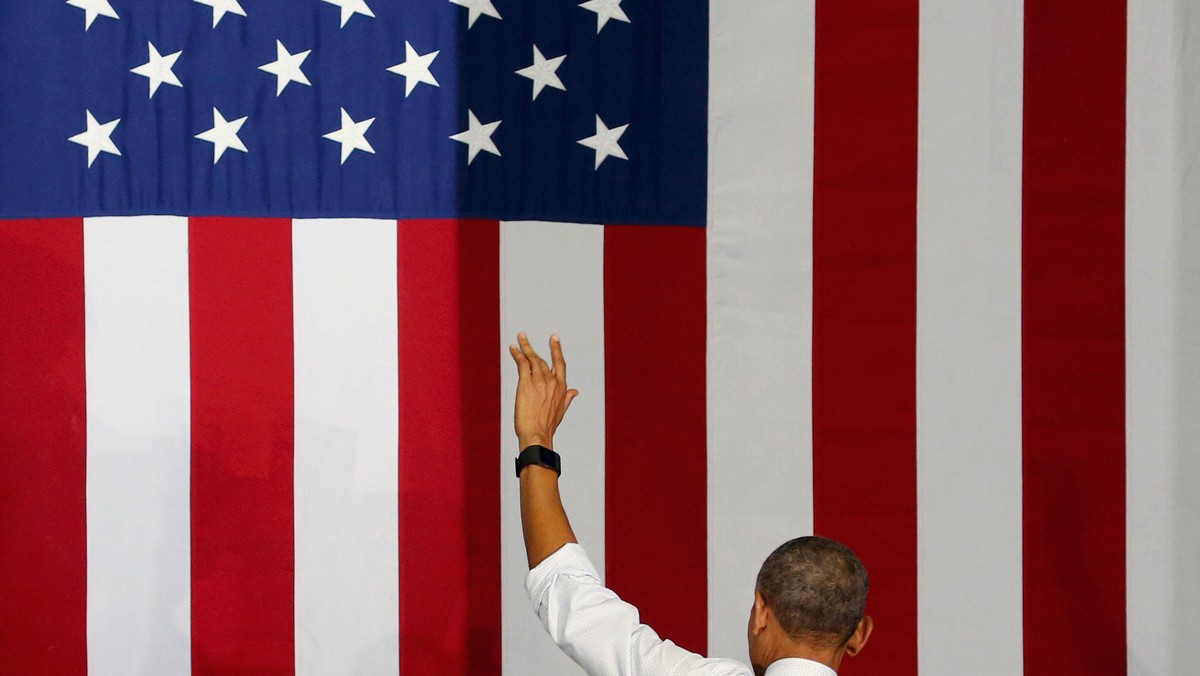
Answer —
808 602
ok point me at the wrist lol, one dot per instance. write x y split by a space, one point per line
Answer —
538 455
545 440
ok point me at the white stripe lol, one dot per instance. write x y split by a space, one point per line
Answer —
552 280
760 299
969 579
138 445
346 458
1163 337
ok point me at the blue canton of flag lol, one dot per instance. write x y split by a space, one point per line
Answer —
542 109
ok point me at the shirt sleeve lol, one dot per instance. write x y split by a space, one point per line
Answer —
602 633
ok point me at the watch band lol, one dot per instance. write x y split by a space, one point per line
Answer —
541 456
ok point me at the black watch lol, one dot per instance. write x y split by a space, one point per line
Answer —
541 456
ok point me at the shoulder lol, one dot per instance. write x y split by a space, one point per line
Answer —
658 656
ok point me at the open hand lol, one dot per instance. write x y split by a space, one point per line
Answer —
542 394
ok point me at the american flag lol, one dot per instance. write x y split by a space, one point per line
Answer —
916 275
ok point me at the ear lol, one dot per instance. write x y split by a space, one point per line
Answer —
859 638
758 615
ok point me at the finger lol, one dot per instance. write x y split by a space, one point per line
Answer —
527 349
523 368
556 354
538 365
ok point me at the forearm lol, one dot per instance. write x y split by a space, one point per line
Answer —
542 400
543 520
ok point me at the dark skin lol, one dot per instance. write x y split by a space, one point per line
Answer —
542 400
769 642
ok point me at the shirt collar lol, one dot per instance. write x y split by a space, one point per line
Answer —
798 666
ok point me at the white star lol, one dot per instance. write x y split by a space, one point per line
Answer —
286 67
223 135
158 69
220 7
478 137
542 72
97 138
605 10
604 142
352 7
415 68
477 7
352 135
92 9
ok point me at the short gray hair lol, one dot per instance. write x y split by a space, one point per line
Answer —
817 589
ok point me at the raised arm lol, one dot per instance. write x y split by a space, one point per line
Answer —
542 400
590 623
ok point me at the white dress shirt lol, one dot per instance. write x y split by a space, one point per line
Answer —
603 634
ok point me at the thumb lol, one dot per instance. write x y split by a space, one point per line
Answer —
571 394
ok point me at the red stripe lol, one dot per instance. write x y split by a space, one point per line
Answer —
1073 337
656 506
242 412
449 307
864 308
43 535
